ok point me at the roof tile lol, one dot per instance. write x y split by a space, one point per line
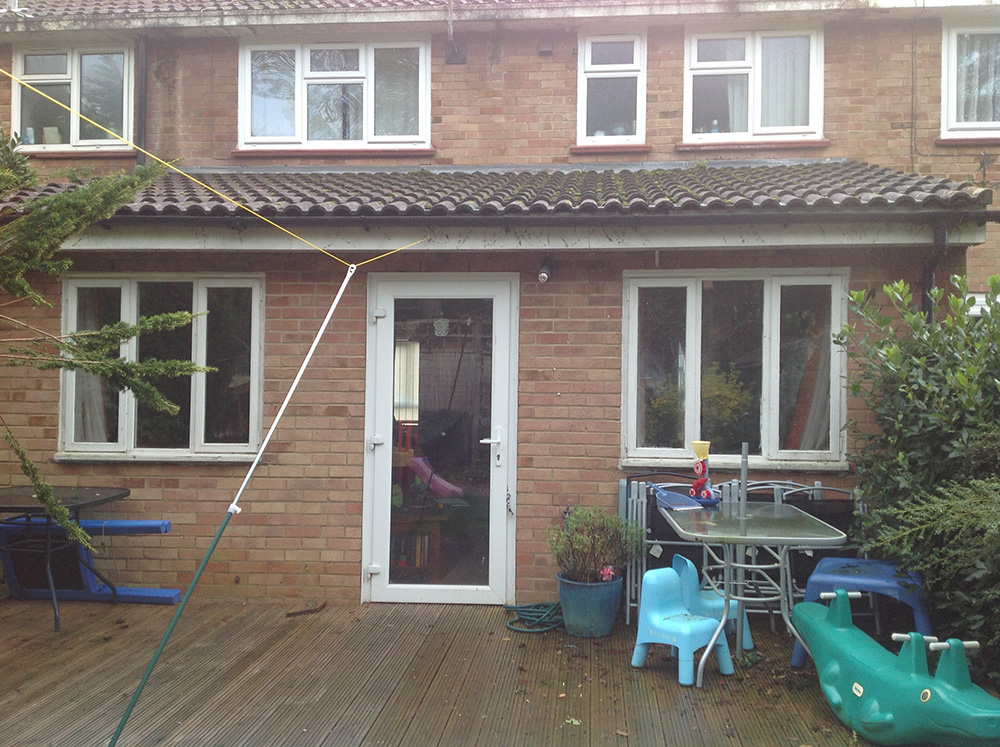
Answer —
786 189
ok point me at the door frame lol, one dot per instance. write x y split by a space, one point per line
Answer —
504 287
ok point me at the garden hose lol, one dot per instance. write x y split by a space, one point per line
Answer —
535 618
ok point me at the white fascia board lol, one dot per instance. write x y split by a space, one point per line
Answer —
374 240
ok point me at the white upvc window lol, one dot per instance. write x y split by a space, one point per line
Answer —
95 82
970 81
220 411
753 86
611 90
730 358
335 95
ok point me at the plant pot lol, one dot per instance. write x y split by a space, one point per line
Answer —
589 609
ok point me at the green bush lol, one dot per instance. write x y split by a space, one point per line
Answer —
588 540
950 534
929 470
931 386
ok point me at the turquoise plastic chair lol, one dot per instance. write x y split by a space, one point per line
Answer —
705 601
663 618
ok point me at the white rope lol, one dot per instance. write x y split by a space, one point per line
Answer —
351 269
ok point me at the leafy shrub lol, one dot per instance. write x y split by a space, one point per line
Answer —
928 465
931 385
589 539
950 534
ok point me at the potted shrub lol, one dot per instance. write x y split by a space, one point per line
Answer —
592 547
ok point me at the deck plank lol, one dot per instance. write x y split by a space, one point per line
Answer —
238 674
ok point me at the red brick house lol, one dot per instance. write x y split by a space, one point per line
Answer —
638 226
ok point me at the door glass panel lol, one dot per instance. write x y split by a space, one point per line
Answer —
442 374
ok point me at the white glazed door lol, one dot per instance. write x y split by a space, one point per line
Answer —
439 456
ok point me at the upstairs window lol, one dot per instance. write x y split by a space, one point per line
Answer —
971 82
733 357
753 86
96 83
611 100
335 95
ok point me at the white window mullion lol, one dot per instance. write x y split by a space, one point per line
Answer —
130 352
199 343
770 352
75 86
692 365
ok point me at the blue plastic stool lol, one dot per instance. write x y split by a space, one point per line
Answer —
866 574
663 618
705 601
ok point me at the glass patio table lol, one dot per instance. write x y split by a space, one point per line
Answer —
749 539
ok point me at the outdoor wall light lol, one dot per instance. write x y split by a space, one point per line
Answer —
544 273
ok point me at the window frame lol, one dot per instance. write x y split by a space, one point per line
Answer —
587 71
73 77
951 128
197 450
751 65
771 454
305 76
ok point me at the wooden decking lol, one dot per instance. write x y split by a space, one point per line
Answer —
237 675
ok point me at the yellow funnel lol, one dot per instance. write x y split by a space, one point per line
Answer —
701 448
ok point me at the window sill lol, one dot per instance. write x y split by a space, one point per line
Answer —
609 149
82 152
91 457
727 463
752 145
953 142
334 152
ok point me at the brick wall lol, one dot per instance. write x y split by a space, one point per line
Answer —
299 534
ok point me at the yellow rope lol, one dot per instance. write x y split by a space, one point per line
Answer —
200 183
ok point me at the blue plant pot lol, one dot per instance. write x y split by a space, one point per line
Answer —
589 610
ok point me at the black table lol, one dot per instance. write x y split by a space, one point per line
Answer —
19 503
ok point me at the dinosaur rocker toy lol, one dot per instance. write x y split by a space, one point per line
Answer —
892 699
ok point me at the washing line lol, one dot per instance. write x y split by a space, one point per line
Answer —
234 506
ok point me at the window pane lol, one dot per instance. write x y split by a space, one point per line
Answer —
612 53
661 331
102 84
227 390
719 103
722 50
335 111
45 64
95 413
397 91
732 323
804 368
611 106
272 93
41 120
334 60
978 84
158 430
784 81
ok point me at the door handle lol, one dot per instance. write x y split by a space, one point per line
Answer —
495 445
